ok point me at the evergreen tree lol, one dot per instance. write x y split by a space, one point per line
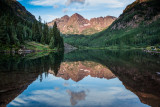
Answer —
52 43
19 31
14 39
49 36
55 35
45 34
37 33
43 39
40 19
33 31
4 36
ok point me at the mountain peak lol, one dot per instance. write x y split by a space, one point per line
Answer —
65 16
77 24
135 3
76 15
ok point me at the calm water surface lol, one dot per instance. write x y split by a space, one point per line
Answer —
98 78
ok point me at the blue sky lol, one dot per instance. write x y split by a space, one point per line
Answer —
51 9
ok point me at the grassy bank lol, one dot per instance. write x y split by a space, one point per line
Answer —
26 46
37 46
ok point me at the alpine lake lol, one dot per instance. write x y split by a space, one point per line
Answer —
80 78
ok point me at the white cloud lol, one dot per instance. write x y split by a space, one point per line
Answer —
15 104
75 1
65 10
46 2
86 6
109 3
55 6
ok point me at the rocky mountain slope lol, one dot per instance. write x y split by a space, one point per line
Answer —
137 26
77 24
139 11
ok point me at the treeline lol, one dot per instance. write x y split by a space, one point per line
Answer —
14 30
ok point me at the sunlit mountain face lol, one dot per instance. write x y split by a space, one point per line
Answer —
80 78
77 24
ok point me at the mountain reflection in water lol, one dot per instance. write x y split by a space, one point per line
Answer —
81 69
80 78
76 96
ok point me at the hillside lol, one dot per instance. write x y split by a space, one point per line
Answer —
14 8
19 26
137 26
77 24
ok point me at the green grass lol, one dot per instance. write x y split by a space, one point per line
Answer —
37 46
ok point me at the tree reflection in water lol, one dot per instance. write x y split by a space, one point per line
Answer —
17 72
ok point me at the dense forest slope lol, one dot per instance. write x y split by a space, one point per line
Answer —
19 26
14 8
137 26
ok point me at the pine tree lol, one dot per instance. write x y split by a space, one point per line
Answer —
50 33
40 19
52 43
7 39
45 34
54 33
43 39
19 31
37 33
34 31
58 41
14 36
4 36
